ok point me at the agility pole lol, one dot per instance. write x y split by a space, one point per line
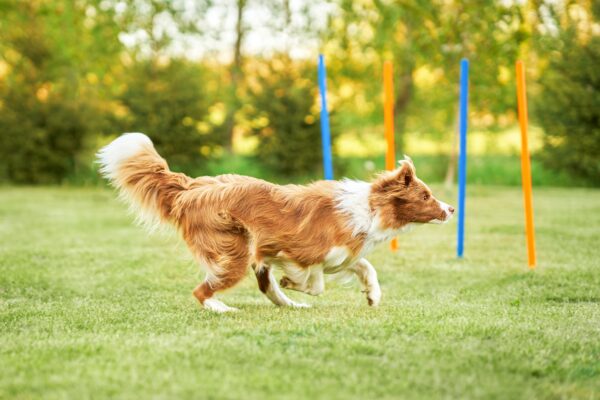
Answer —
325 132
388 122
525 165
462 159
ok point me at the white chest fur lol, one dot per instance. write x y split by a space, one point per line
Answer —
352 199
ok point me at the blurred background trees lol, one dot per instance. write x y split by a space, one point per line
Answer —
168 102
217 82
49 101
568 105
286 116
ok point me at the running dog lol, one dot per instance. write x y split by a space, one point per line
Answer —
233 222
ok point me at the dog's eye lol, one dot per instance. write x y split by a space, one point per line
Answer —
426 196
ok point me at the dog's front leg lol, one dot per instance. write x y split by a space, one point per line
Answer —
314 285
368 278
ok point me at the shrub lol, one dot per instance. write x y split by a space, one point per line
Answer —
568 108
46 111
286 117
168 103
41 139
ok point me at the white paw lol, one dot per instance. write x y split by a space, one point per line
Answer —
374 296
217 306
299 305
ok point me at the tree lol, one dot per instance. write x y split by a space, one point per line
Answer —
285 117
165 94
235 73
167 102
426 41
568 105
48 105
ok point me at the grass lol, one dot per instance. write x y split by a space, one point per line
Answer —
91 307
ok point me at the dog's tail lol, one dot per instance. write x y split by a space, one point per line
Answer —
142 177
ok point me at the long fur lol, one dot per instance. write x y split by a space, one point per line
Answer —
230 222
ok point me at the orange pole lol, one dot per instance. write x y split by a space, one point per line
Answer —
388 123
525 165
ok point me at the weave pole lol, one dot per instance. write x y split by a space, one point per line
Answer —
388 123
325 132
525 165
462 159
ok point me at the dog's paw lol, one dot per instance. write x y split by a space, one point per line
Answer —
374 297
286 282
215 305
299 305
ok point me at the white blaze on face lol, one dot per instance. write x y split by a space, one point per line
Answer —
448 212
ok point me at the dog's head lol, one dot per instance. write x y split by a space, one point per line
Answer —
398 197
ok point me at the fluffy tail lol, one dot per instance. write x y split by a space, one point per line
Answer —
142 177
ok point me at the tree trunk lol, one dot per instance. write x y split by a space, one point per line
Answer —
235 75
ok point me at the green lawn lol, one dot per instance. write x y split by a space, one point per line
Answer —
92 307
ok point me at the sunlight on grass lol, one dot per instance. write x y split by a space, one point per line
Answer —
91 306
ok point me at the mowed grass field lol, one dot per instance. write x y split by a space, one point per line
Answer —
93 307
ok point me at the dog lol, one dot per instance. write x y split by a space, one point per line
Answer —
233 222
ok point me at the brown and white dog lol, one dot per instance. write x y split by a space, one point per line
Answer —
231 222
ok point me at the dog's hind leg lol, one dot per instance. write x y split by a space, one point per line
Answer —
368 278
219 278
226 258
267 283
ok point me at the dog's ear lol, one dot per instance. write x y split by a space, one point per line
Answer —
407 159
406 172
399 178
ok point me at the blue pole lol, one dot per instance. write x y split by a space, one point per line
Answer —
462 159
325 133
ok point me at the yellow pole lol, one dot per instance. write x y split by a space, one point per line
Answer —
388 122
525 165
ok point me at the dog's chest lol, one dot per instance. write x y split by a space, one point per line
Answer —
336 259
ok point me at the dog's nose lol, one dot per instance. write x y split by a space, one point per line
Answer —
451 210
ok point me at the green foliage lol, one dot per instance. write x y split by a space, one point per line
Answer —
75 73
46 108
62 75
168 103
40 140
568 108
285 118
425 40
